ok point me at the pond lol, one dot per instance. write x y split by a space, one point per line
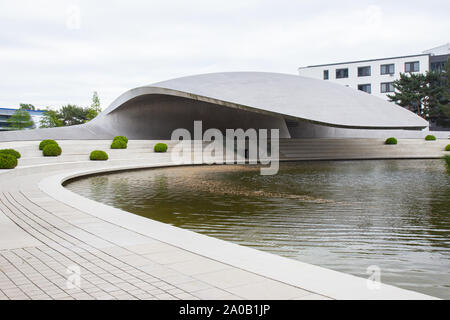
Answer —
342 215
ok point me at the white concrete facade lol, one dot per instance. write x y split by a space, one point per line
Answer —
375 79
231 100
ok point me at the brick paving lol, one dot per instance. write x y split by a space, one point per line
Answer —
41 272
140 268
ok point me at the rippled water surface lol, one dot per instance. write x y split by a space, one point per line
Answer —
345 215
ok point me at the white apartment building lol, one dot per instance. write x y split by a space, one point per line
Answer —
376 76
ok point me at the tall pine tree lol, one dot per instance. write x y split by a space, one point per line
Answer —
427 95
443 104
409 92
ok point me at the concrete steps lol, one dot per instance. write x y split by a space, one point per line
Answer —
78 151
313 149
290 149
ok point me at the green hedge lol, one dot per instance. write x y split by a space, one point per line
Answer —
430 137
447 147
447 160
7 161
52 150
160 147
118 144
391 140
121 138
46 143
11 152
98 155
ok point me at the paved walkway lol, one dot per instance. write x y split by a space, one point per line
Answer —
43 241
51 238
115 263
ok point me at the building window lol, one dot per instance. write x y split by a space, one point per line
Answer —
365 87
364 71
341 73
437 66
387 87
412 66
388 68
325 74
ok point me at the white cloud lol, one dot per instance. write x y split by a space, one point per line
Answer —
49 58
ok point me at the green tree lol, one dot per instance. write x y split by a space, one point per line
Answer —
73 114
428 94
433 91
95 109
20 120
442 109
70 115
51 119
410 92
27 106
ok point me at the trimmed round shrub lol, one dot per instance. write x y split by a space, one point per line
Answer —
52 150
118 144
160 147
46 143
121 138
7 161
98 155
430 137
447 147
11 152
391 140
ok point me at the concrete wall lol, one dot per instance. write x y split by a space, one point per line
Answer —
155 116
304 129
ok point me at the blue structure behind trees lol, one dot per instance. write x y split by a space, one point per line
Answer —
6 113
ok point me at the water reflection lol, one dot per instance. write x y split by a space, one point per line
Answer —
341 215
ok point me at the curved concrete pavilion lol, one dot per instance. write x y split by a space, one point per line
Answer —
300 107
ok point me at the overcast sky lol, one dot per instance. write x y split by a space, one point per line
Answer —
58 52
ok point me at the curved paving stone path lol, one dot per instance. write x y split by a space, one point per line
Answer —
115 263
41 237
130 267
